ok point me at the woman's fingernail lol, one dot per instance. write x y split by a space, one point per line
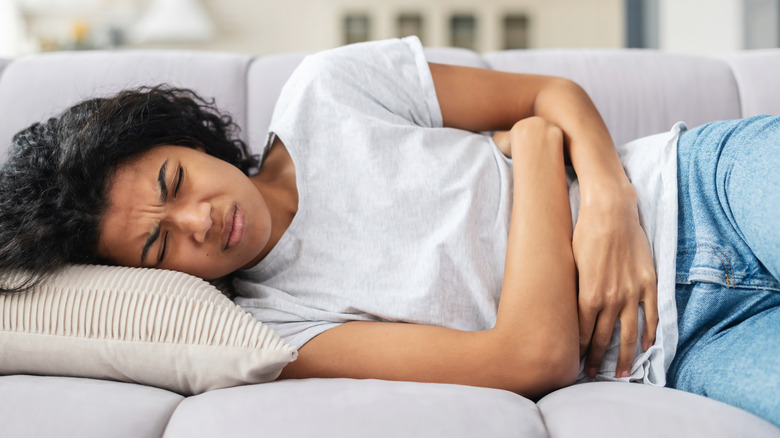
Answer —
624 374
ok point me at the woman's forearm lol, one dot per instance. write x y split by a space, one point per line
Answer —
533 347
538 299
587 142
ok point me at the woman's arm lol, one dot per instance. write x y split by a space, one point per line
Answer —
533 348
612 253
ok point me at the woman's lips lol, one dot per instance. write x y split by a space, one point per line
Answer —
234 228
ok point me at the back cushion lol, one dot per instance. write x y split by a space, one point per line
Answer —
265 79
637 92
35 88
756 74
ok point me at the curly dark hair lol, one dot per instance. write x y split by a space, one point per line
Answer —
53 188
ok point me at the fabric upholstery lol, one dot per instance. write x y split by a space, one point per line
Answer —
35 88
755 73
638 93
265 78
603 409
356 408
56 407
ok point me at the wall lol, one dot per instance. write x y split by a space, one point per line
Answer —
706 27
260 27
273 26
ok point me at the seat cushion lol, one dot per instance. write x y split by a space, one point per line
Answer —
356 408
643 411
42 407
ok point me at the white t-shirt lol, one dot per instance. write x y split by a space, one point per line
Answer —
399 218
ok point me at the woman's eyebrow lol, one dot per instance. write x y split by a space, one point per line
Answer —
163 196
163 184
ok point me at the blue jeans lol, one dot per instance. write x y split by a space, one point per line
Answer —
728 264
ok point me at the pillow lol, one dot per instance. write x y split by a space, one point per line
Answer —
149 326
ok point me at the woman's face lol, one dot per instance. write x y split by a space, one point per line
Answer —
179 208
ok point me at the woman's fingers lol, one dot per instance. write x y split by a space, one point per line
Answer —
616 274
628 339
587 315
600 341
650 305
602 336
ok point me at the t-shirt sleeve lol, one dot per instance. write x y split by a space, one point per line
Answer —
385 80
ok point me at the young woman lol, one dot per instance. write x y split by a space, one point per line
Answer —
387 238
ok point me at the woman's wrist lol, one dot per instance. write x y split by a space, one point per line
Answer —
608 194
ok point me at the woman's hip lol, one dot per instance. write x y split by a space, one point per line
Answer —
729 204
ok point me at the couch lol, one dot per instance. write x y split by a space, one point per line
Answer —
638 93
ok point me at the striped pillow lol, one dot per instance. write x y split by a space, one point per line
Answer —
149 326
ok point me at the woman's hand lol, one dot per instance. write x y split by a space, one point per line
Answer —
611 250
616 273
532 349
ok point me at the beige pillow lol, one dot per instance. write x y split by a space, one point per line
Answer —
150 326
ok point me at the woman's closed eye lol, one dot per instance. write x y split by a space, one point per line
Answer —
162 248
164 241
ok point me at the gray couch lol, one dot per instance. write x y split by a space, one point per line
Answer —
637 92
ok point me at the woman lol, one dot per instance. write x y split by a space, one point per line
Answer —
369 210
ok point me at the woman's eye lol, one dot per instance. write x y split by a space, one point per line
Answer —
178 181
164 246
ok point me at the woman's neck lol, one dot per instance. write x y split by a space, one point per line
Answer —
277 184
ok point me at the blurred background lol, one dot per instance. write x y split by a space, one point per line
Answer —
261 27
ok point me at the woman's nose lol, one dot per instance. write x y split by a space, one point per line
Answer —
193 219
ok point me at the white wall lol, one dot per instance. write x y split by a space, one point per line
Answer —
707 27
260 27
273 26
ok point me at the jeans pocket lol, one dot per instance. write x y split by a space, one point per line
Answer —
708 262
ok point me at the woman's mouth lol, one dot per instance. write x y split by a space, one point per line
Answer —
234 228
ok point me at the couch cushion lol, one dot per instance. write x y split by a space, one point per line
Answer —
756 76
643 411
37 87
265 79
41 407
637 92
356 408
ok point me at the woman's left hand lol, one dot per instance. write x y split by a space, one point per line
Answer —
616 273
